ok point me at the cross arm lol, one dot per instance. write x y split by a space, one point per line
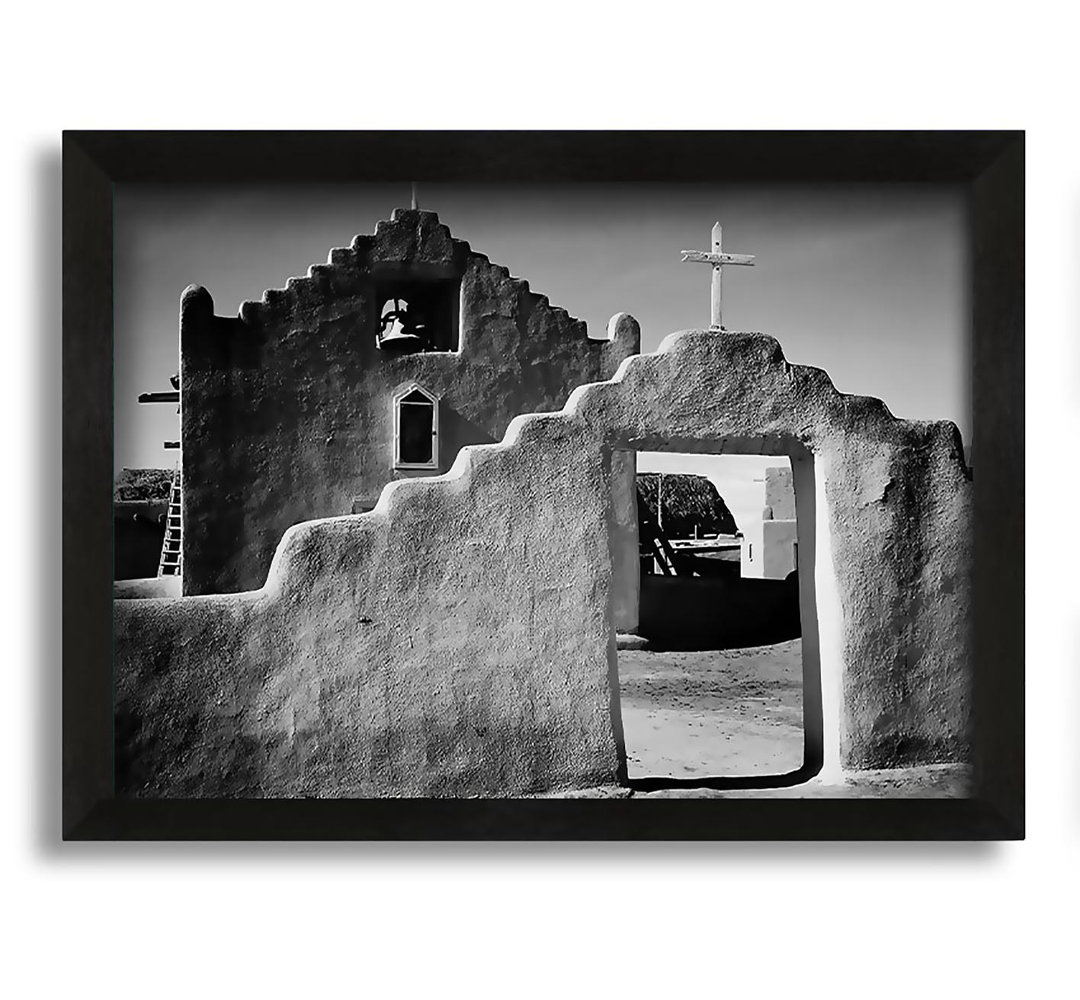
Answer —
701 257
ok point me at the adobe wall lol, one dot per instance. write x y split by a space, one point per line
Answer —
625 550
780 494
287 412
778 548
768 550
459 639
681 612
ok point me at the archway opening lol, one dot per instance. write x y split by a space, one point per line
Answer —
717 661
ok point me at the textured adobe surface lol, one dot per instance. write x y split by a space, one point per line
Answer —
458 639
148 586
287 412
779 494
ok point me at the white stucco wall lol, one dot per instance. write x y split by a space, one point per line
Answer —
626 575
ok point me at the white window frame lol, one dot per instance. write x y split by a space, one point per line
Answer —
397 402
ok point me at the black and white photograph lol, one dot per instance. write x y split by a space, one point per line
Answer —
633 490
540 500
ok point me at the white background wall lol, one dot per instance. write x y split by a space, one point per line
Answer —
936 920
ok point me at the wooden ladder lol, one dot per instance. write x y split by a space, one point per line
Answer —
654 539
170 562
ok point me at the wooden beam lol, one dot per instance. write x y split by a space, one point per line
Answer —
701 257
159 397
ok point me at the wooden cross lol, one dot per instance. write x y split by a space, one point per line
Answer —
718 260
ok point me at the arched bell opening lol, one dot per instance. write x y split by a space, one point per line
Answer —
416 316
402 327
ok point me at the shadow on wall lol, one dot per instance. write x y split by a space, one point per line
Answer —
457 431
138 531
689 613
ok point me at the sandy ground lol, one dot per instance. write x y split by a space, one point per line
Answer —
739 713
710 714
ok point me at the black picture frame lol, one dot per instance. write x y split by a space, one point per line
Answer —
991 166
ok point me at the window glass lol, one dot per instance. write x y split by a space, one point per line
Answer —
415 424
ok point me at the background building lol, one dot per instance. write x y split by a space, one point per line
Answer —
770 546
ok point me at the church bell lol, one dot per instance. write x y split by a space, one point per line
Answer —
399 329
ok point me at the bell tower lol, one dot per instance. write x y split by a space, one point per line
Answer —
417 305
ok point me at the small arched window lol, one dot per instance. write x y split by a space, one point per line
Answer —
416 429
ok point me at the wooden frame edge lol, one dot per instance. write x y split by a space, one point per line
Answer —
992 163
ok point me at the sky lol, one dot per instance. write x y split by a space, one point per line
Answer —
869 282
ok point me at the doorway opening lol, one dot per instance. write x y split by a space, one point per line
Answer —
715 684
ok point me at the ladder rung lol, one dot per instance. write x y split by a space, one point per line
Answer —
169 562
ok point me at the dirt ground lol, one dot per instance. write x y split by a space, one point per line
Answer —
710 714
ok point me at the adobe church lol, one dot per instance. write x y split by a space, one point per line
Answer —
379 365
